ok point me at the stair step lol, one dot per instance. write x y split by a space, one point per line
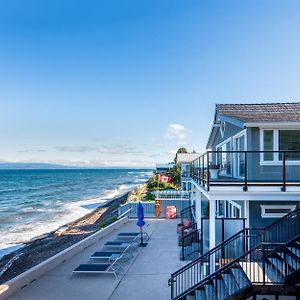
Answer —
230 283
254 272
190 297
278 266
273 272
295 250
221 289
200 295
240 277
209 291
290 260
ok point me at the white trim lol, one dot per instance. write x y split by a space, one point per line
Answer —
235 164
223 142
275 215
244 131
275 161
273 125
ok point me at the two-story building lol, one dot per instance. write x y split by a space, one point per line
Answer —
251 169
184 160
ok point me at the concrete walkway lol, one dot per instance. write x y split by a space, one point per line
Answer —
145 277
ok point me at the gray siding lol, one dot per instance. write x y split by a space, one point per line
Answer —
255 219
256 172
230 130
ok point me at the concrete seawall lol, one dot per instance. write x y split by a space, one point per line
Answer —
17 283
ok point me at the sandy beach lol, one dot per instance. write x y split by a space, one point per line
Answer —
40 249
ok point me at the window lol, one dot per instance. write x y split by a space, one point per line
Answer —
289 140
268 144
224 158
276 211
280 140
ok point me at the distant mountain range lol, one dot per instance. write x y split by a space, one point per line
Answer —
11 165
36 166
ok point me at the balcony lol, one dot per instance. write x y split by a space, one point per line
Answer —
279 170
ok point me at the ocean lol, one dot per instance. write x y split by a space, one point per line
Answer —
34 202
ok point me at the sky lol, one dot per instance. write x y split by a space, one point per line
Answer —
126 83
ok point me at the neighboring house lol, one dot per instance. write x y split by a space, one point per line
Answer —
251 169
163 168
184 161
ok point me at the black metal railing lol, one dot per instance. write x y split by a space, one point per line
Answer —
254 267
187 278
187 214
190 242
247 168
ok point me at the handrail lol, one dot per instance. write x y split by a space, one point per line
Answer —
189 210
201 166
193 236
124 213
207 253
243 236
295 211
229 265
232 238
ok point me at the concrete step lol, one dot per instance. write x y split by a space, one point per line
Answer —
240 277
230 283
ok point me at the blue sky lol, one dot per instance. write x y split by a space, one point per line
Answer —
125 83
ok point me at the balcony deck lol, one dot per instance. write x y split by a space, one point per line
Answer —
145 276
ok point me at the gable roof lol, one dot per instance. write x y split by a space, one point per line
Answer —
182 158
263 112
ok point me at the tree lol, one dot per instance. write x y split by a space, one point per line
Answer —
175 175
182 150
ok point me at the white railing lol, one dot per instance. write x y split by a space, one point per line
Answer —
172 194
130 209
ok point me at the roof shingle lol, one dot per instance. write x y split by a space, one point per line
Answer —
264 112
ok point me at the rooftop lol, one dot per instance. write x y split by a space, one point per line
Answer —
145 277
264 112
182 158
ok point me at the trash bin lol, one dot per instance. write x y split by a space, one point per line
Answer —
171 212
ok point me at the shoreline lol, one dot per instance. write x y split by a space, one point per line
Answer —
43 247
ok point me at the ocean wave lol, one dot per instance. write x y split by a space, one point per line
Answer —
35 213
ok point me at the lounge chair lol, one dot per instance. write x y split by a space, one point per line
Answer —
119 244
105 254
99 268
112 255
132 235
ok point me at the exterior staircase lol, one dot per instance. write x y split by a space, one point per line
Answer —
253 261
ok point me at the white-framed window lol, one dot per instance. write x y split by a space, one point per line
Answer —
224 159
276 211
279 140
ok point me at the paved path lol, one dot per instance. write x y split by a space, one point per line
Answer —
145 277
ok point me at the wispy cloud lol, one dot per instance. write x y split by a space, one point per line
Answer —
177 132
111 150
77 149
31 150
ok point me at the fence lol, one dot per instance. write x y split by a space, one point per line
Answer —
130 208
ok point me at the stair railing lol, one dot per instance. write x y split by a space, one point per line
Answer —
222 255
187 213
254 267
190 241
